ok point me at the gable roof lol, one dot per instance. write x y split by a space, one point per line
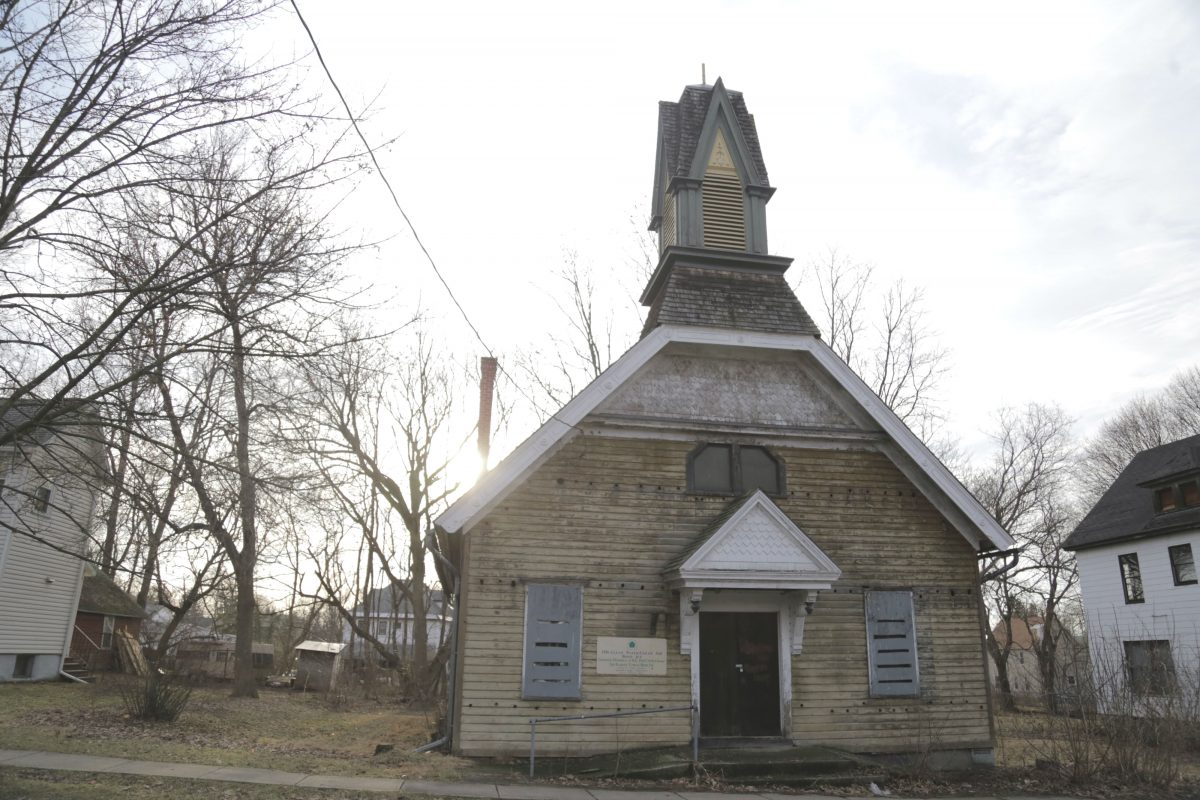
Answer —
1126 510
909 454
752 544
99 595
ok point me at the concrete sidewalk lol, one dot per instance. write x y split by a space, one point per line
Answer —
33 759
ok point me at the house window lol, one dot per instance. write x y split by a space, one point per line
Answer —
1150 668
262 660
1172 498
1164 499
107 634
734 469
1131 578
553 618
1183 565
41 500
892 645
23 668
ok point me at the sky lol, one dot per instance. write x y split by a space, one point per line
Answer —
1033 167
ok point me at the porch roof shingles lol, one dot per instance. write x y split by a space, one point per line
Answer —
710 529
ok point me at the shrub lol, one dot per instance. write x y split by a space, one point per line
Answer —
156 697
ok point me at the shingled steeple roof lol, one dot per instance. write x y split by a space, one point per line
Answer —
709 211
680 124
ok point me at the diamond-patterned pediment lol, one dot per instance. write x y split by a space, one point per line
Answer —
754 544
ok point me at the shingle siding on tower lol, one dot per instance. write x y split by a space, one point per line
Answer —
728 299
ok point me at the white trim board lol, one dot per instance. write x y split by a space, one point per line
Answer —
910 455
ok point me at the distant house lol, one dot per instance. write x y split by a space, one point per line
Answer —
193 626
1024 674
317 665
213 657
1136 551
387 614
50 476
104 610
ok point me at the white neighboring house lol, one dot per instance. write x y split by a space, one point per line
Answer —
1137 566
49 481
388 616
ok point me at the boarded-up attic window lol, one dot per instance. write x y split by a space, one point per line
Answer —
553 618
723 200
892 645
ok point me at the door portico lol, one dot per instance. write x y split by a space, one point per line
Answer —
752 561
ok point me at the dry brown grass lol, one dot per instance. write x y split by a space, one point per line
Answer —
280 729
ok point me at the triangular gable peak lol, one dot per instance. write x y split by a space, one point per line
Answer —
906 451
722 123
753 545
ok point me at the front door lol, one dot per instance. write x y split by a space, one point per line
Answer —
739 674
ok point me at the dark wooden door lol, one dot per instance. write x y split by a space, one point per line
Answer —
739 674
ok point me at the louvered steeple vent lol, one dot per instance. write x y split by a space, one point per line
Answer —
710 214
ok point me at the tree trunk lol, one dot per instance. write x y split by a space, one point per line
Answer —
243 681
244 684
1000 660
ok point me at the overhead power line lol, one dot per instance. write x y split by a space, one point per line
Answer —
412 228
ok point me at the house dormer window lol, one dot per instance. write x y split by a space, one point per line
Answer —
1185 494
734 469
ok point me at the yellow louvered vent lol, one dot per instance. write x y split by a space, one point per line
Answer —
724 211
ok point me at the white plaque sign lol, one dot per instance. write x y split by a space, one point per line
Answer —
618 656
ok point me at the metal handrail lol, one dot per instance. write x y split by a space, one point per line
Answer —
533 722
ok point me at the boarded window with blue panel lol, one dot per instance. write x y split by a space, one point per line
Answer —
553 619
892 645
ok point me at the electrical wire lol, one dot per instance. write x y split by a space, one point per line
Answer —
412 228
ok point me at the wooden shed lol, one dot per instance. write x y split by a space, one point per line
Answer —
105 612
728 519
317 665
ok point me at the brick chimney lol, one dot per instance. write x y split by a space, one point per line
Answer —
487 386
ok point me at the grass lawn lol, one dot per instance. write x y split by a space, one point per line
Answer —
281 729
17 784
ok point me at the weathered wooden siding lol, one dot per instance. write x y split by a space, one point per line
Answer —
610 512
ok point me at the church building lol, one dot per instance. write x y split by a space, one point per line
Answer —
727 519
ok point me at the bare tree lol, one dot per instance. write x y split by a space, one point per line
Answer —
897 353
382 442
1144 422
1024 485
105 101
268 259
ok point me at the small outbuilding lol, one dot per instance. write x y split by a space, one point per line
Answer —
105 612
317 665
213 657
